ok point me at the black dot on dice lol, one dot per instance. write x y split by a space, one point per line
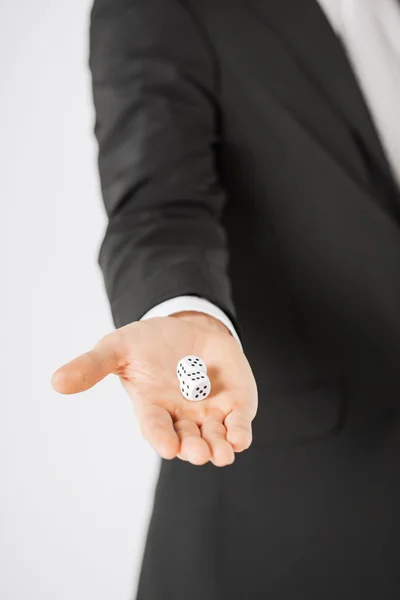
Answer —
183 390
204 393
197 395
197 389
190 359
187 387
204 387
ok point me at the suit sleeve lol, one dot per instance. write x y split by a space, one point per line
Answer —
156 114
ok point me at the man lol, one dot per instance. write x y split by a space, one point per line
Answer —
249 154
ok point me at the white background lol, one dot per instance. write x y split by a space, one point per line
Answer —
76 477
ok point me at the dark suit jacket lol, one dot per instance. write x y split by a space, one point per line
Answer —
239 162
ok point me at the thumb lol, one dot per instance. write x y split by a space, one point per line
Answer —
84 371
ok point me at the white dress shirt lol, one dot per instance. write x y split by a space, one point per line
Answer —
370 33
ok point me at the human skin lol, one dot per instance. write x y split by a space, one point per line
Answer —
144 355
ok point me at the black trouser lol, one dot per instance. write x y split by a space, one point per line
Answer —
315 520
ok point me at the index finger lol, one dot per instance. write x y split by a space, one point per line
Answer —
157 428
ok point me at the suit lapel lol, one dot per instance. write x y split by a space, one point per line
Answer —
318 52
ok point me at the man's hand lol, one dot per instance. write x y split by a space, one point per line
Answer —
144 355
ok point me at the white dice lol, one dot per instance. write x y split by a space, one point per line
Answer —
190 363
193 379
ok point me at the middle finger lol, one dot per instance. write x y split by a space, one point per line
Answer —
214 432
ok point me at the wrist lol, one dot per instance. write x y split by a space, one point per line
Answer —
202 319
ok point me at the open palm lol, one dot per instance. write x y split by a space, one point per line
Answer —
144 355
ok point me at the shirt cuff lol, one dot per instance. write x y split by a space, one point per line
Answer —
195 303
